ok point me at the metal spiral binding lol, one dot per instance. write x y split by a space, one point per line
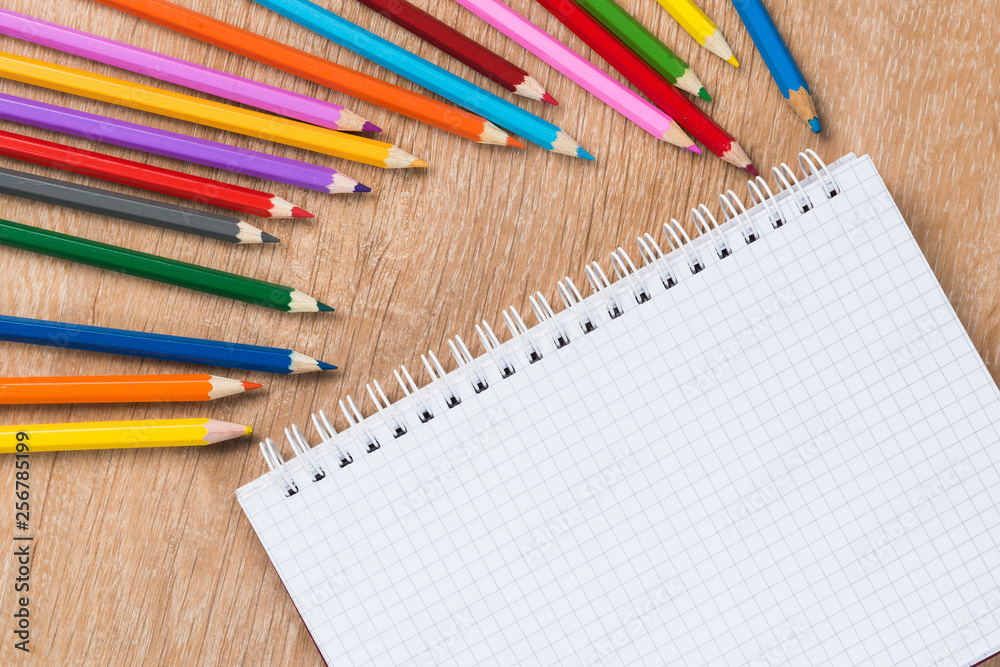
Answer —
504 357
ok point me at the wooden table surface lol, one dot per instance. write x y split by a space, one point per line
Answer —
144 557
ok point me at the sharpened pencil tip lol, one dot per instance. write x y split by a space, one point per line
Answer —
267 238
370 127
323 308
733 61
323 366
752 169
301 213
511 141
250 386
580 152
816 127
419 163
703 94
248 430
360 187
694 149
551 100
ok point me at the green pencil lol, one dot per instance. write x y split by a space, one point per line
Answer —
645 44
160 269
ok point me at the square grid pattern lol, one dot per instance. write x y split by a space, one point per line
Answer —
787 458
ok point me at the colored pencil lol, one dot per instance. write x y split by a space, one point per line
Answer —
778 59
118 389
463 49
428 75
147 177
35 438
646 44
183 73
157 346
176 146
205 112
315 69
649 82
700 26
582 71
161 269
125 207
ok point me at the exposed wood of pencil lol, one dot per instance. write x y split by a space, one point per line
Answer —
315 69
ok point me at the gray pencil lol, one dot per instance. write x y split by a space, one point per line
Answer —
125 207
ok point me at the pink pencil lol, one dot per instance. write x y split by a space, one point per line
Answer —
182 73
574 66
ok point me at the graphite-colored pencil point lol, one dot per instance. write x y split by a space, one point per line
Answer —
703 94
551 100
816 127
362 188
371 127
733 61
301 213
323 366
267 238
323 308
250 386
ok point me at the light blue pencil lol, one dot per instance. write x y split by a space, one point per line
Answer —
778 58
428 75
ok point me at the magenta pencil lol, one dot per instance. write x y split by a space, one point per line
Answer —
182 73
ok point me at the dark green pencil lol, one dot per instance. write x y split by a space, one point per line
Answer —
125 207
160 269
645 45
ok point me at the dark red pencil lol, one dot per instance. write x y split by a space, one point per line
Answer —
461 48
147 177
649 82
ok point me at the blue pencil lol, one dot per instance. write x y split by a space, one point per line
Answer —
157 346
778 58
426 74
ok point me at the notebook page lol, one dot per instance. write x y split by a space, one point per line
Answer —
787 458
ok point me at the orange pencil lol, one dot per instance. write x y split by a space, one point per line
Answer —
118 389
315 69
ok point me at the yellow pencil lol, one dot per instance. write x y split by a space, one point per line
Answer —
701 27
32 438
204 112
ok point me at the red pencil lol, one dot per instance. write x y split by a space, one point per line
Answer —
649 82
147 177
461 48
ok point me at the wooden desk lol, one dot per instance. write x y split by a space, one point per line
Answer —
144 557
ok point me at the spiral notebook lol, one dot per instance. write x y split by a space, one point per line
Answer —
773 444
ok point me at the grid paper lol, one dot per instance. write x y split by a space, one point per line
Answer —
788 458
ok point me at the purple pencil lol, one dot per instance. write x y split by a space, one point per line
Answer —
182 73
177 146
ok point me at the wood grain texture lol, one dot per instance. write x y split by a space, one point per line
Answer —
143 557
